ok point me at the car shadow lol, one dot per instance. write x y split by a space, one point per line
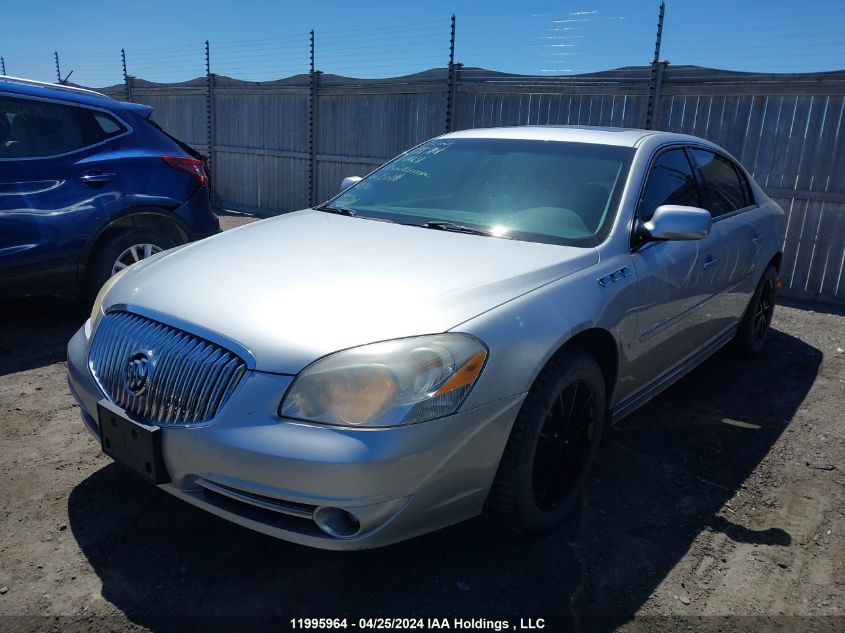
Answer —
664 476
669 470
34 331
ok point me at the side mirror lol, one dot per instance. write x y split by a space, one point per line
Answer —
349 181
676 222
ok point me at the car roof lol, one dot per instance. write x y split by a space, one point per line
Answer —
623 137
68 94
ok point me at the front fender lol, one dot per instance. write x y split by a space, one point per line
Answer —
525 333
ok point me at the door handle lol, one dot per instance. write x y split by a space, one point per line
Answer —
96 178
755 239
710 262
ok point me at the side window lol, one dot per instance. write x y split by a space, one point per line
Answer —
106 126
31 128
670 181
725 189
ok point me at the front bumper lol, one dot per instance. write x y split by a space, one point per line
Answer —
271 474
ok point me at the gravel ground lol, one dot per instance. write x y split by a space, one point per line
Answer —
723 498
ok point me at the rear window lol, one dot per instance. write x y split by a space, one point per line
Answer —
30 128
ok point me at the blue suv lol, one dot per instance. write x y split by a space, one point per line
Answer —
88 186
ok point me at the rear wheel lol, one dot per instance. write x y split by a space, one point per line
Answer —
121 250
135 253
552 446
757 321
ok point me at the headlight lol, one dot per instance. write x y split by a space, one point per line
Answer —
97 308
387 384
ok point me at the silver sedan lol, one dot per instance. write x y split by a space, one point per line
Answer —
447 337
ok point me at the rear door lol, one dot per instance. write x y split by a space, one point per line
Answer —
55 183
727 196
677 279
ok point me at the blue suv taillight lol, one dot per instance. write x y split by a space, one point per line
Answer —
193 166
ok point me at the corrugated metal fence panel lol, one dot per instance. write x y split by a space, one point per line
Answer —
615 98
274 119
360 127
377 125
263 184
493 109
261 148
814 250
180 111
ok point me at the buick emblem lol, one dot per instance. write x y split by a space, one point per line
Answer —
137 373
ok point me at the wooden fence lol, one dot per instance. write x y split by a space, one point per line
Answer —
282 145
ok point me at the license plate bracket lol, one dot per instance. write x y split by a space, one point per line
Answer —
137 446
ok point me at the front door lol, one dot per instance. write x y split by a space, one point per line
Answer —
677 280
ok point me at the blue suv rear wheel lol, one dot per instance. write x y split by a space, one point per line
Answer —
123 248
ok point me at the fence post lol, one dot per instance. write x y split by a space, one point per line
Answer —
453 81
209 111
127 80
314 77
656 77
658 87
58 70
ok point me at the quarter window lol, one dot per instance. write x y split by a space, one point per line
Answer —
108 126
671 181
724 189
33 128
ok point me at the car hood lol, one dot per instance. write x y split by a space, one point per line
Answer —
299 286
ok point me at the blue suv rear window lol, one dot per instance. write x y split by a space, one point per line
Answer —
32 128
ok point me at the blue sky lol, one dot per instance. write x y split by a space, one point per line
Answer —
262 39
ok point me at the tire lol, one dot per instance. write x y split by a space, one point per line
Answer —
540 476
117 247
757 320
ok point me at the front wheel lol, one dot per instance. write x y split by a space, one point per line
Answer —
552 446
757 321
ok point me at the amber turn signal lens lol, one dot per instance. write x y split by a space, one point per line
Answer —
466 375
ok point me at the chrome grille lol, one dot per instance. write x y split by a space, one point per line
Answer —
188 379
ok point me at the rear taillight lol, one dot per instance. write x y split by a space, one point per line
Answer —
193 166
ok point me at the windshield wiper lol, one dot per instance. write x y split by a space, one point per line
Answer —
352 213
339 210
456 228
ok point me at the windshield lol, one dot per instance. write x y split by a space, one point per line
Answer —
542 191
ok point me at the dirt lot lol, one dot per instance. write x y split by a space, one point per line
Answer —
723 497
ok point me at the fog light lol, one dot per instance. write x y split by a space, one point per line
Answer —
336 522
